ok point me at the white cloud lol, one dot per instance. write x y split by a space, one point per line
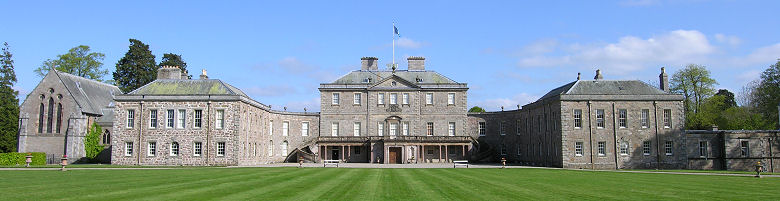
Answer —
731 40
311 105
508 103
408 43
292 64
630 53
767 54
270 91
22 93
748 76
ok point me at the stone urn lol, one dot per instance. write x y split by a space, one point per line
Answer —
64 162
28 160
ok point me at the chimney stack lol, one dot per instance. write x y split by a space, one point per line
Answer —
664 80
578 76
598 75
185 75
168 72
203 75
368 63
416 63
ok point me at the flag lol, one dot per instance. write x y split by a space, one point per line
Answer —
395 29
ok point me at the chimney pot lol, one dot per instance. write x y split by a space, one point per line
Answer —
168 72
598 75
203 75
663 80
416 63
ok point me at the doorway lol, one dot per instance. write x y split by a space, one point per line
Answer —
334 154
394 155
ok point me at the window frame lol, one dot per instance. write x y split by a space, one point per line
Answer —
334 98
482 126
577 114
173 149
429 129
334 129
602 148
450 98
578 151
380 128
197 148
220 119
646 148
181 119
170 118
129 149
356 129
151 148
600 119
153 118
622 118
393 98
405 98
703 152
744 148
130 119
429 98
645 118
285 128
667 118
357 98
220 149
405 128
305 128
451 129
197 120
668 148
380 98
623 148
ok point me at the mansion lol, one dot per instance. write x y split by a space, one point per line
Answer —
391 116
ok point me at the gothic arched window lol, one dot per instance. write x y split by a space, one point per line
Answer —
40 119
59 117
50 116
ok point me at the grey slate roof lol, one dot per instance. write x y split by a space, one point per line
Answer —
605 87
90 95
428 77
188 87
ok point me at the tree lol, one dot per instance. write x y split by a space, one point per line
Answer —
92 145
136 68
728 99
766 95
476 109
9 104
78 61
695 84
171 59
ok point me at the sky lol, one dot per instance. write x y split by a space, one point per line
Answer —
509 52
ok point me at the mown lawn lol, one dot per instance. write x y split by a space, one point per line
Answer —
376 184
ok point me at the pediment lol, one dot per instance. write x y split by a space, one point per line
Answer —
394 82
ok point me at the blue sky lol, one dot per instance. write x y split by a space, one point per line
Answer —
508 52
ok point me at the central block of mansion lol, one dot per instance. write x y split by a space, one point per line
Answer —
382 116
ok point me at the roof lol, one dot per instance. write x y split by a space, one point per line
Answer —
188 87
428 77
90 95
605 87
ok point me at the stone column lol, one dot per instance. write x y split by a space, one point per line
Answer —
463 149
440 154
422 153
349 152
342 153
446 153
371 152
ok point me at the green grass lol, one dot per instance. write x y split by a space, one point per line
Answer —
101 166
710 171
376 184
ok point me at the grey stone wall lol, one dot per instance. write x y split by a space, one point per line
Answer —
724 149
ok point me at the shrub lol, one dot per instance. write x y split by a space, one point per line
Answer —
14 158
92 142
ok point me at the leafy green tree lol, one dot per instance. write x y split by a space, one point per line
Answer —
766 95
9 104
136 68
476 109
728 98
78 61
92 145
696 85
741 118
171 59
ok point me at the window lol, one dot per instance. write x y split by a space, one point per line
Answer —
220 119
220 148
380 98
602 148
196 148
503 150
600 118
284 148
703 149
356 129
40 118
152 118
271 148
405 128
578 149
270 127
50 116
644 118
128 148
451 99
181 119
482 128
174 149
622 118
668 148
517 126
429 98
393 98
285 128
198 118
405 98
745 148
380 128
59 117
518 150
451 129
624 148
667 118
334 129
170 114
429 128
130 118
335 99
356 100
393 129
305 129
646 148
106 137
502 127
577 118
357 150
152 149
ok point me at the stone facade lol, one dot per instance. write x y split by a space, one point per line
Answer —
733 149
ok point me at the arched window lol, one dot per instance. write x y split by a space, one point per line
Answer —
284 148
106 137
40 119
271 148
59 117
50 115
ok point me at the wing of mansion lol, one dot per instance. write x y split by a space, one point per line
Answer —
380 116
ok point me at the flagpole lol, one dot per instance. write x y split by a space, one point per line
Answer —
393 65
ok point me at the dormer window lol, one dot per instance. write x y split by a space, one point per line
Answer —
367 80
393 83
419 79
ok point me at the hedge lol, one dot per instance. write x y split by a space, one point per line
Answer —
13 158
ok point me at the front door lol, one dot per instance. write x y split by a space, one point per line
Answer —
394 155
334 155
